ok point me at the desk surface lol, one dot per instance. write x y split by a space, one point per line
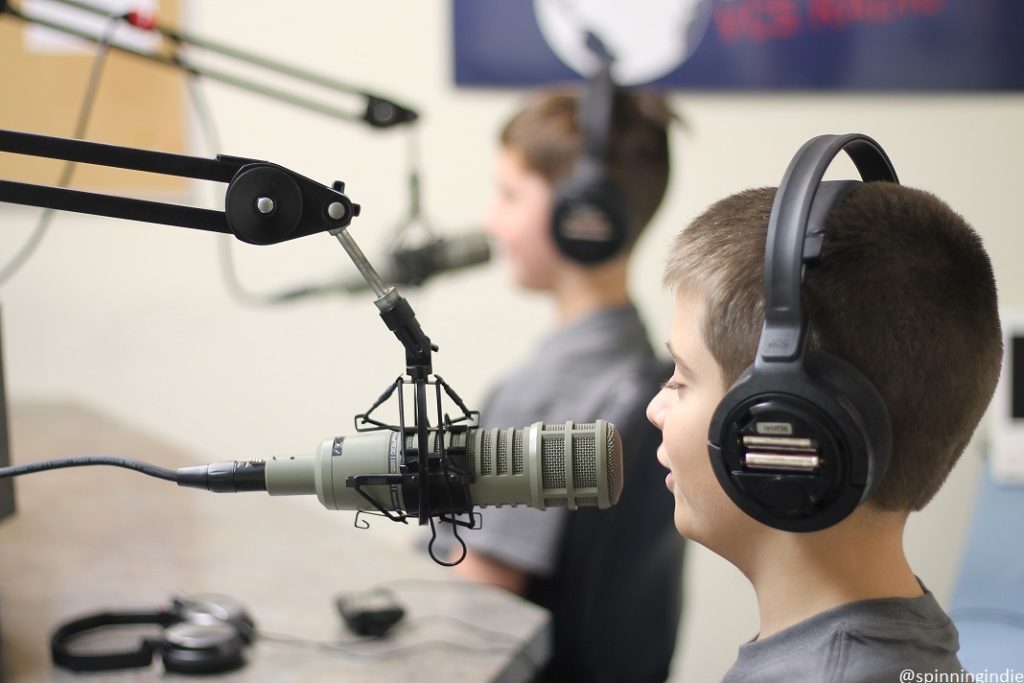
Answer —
100 538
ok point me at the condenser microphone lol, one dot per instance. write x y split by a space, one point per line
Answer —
544 465
410 266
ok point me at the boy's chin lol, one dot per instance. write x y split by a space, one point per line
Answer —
688 526
684 521
531 282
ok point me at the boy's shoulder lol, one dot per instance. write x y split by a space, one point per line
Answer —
865 641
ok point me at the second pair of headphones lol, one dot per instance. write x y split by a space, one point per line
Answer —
802 437
590 214
201 635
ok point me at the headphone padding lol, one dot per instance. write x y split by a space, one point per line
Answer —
590 221
849 420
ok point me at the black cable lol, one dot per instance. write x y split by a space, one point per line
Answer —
85 111
430 584
85 460
476 629
211 137
515 643
501 643
346 647
413 219
414 216
226 260
350 647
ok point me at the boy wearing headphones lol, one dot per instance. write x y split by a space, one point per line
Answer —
611 578
905 293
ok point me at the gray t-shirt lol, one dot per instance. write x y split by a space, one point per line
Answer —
583 371
871 641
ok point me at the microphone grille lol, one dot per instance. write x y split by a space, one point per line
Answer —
494 455
584 462
544 465
616 478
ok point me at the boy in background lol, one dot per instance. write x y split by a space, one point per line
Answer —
612 578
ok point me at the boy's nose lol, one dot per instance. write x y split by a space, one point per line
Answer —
654 410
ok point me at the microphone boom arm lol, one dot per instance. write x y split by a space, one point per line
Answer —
378 111
264 203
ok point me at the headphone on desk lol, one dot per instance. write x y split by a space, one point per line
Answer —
201 635
590 214
802 437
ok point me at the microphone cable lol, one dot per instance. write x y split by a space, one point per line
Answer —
230 476
413 218
86 460
225 243
351 647
496 642
210 134
500 642
82 122
226 263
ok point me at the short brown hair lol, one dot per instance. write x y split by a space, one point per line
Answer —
546 134
905 292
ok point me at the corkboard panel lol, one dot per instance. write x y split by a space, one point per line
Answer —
138 104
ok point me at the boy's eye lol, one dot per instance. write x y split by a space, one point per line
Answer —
672 385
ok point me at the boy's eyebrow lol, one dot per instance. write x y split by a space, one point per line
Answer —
680 363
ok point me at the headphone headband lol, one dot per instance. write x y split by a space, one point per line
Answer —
127 659
782 338
200 634
590 214
803 437
595 112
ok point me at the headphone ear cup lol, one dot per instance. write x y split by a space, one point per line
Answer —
800 450
860 400
201 635
212 608
590 221
194 648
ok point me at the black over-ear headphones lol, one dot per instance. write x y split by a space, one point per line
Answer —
201 635
802 437
590 216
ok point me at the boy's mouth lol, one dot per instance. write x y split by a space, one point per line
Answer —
662 459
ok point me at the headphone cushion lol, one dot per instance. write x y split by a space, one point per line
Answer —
831 403
590 220
206 608
200 648
857 396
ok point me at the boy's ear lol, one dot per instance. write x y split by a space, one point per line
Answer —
589 222
802 438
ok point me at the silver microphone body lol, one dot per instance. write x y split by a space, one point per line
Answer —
540 466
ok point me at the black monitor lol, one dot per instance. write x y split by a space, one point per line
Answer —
6 485
1016 376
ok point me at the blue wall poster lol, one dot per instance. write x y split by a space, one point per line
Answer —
871 45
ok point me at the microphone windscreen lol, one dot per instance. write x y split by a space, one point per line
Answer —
546 465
